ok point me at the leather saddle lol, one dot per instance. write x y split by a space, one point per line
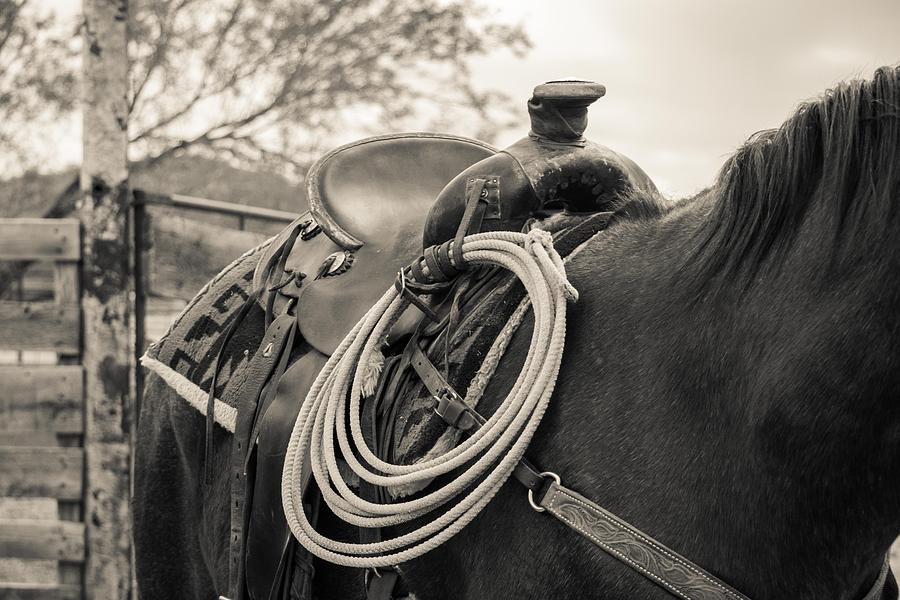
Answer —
368 203
373 205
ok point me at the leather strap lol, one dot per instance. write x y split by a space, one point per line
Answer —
452 408
381 586
654 560
478 195
634 548
403 285
259 372
279 269
209 449
450 405
436 266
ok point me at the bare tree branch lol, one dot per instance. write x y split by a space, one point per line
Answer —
270 78
37 79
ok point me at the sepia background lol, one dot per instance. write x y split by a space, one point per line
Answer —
230 101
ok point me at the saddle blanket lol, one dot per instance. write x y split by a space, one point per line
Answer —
185 356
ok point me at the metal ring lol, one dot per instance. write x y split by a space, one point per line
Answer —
534 506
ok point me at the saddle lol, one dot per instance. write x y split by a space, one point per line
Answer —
368 203
376 206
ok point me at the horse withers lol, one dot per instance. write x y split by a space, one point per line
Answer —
728 385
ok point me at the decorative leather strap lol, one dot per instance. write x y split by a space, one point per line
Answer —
649 557
636 549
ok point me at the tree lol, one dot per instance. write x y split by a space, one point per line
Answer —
270 80
37 78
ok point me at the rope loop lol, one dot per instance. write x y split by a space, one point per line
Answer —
480 464
541 244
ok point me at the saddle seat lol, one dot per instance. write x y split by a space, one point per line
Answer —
370 200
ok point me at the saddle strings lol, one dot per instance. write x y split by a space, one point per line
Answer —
489 455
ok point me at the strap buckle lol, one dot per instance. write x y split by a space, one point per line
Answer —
546 474
454 411
403 285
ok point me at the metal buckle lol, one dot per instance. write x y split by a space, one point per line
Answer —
452 409
537 507
309 229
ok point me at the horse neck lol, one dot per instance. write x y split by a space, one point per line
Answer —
757 427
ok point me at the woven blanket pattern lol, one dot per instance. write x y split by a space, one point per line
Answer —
190 346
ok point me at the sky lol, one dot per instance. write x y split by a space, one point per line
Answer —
687 80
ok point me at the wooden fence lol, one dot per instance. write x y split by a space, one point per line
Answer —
42 420
44 542
181 249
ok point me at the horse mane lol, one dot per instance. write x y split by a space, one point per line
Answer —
839 152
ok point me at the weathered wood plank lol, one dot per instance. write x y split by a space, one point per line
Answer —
66 291
39 591
70 510
185 254
65 282
28 438
48 398
39 239
27 538
30 471
39 326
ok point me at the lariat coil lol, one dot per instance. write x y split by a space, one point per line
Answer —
489 455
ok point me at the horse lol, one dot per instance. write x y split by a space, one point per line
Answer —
729 385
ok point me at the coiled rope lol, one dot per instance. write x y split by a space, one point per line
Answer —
491 452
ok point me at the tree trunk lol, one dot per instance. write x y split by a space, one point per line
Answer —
107 304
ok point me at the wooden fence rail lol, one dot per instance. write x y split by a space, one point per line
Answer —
42 414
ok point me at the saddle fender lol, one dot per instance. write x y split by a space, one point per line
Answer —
267 530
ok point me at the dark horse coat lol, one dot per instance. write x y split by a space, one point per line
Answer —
730 386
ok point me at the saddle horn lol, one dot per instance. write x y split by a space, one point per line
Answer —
552 168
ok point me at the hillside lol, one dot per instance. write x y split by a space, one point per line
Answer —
217 180
34 195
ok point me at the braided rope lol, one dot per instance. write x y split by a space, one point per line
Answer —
490 454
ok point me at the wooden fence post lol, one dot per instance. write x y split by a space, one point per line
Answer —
107 301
